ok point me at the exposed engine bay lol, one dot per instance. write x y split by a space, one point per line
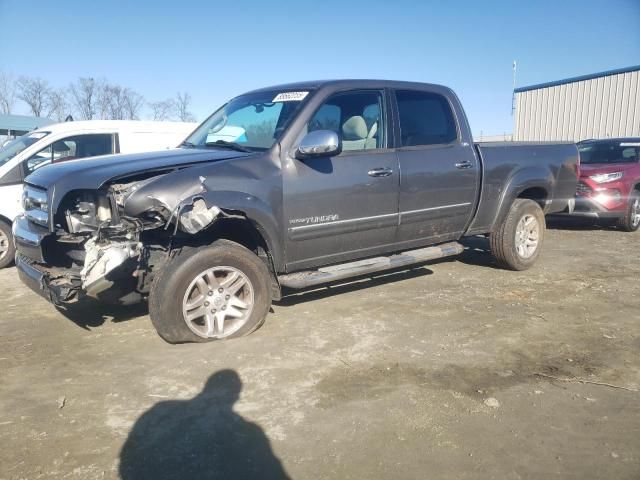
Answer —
116 238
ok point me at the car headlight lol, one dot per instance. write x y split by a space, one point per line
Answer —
35 204
606 177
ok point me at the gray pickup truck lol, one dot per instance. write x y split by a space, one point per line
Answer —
288 186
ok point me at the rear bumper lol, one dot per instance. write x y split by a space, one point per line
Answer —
59 286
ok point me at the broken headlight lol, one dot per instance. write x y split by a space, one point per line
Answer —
86 211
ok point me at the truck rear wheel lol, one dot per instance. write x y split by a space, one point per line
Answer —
210 293
631 221
7 250
517 242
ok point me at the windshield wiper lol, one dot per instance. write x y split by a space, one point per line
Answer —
187 144
230 145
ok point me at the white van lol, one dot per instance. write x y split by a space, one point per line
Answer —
69 141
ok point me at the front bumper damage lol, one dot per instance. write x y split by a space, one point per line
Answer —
114 256
59 286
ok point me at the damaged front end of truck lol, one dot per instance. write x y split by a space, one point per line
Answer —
109 243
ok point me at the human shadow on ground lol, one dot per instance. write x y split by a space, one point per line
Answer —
199 438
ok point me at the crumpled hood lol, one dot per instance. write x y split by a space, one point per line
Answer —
92 173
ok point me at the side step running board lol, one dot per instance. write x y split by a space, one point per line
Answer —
309 278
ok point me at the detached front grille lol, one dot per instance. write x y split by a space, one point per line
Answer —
36 205
583 189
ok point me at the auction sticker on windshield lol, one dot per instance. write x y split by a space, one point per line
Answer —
290 96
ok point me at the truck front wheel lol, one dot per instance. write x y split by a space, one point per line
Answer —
516 243
210 293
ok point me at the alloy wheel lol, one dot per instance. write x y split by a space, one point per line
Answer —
527 236
218 302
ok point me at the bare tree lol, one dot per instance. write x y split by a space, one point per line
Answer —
57 104
182 106
7 92
111 102
88 97
117 103
34 92
103 101
84 96
133 103
163 110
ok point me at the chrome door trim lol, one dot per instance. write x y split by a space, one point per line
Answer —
336 227
436 208
432 213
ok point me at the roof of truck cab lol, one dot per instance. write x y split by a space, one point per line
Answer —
116 125
348 83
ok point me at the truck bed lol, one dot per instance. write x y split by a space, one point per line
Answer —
527 161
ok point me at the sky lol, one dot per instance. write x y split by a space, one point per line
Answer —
218 49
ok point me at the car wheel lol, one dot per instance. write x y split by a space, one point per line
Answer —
631 221
210 293
517 242
7 249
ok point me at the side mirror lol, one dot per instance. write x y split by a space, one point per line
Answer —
321 143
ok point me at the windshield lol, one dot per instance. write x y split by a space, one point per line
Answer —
15 146
609 152
251 122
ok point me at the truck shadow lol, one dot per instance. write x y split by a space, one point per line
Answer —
293 297
201 437
579 224
477 251
90 314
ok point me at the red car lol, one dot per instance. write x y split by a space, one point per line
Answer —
609 185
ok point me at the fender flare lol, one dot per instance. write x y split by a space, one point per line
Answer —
520 181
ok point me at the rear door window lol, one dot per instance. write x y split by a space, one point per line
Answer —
425 119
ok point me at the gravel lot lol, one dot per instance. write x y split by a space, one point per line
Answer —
451 370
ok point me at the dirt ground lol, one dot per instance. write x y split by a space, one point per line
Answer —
451 370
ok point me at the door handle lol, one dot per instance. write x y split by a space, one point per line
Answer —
463 165
379 172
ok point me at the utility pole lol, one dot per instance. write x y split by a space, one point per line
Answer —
513 90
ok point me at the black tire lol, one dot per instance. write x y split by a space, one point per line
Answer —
6 256
503 239
169 288
628 222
